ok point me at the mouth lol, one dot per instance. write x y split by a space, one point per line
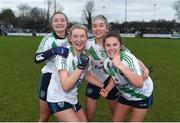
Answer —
79 45
111 53
98 33
60 26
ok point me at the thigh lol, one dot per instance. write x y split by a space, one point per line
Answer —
90 104
112 105
121 112
67 115
81 115
138 115
44 109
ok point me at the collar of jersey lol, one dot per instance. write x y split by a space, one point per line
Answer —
121 55
56 36
72 50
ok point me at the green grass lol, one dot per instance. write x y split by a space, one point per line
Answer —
19 78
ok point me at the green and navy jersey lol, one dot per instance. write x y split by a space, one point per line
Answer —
55 90
98 55
48 42
129 91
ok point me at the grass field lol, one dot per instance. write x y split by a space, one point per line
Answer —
19 78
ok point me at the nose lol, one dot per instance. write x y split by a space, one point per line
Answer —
97 28
111 47
59 22
79 39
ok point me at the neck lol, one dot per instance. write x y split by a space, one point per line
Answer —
60 34
100 42
76 52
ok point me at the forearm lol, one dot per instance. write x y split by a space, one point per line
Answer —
68 81
41 57
110 85
91 79
142 65
135 79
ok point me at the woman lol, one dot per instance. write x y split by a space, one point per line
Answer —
97 53
50 46
123 67
63 87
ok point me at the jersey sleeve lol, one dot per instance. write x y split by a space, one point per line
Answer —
44 45
44 51
106 66
131 62
61 63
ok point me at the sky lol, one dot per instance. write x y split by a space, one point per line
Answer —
114 10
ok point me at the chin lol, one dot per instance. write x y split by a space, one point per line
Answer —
110 56
79 48
98 37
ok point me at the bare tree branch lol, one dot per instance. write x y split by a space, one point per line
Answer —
88 12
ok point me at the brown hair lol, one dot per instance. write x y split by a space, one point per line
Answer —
115 35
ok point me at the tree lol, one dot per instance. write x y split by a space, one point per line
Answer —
24 10
59 8
49 3
38 18
88 12
8 16
32 18
176 7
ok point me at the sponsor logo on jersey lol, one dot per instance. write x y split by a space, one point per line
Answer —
120 85
61 104
39 57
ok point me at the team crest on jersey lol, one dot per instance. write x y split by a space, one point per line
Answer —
61 104
103 53
89 90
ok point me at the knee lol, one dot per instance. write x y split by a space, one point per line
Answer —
44 118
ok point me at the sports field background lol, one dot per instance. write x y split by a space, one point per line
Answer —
19 78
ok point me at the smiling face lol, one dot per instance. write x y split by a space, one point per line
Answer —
112 46
78 39
59 23
99 29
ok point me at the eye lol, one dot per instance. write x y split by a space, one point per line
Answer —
102 25
108 45
62 20
74 36
115 44
55 20
82 36
94 26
